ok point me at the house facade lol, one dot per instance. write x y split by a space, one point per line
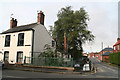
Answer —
23 41
104 54
93 54
116 46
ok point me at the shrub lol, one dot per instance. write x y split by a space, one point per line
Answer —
115 58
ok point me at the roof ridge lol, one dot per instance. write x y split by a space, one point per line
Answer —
106 53
27 24
20 28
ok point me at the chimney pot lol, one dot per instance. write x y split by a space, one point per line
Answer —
13 23
40 18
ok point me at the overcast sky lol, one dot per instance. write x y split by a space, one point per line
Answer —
103 17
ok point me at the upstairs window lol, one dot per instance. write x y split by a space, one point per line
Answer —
7 41
21 39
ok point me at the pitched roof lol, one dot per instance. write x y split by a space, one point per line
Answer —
107 49
21 28
106 54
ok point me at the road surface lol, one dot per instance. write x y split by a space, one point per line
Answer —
103 71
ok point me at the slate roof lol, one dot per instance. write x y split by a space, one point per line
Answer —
21 28
106 54
107 49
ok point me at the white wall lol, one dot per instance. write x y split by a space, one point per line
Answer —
13 45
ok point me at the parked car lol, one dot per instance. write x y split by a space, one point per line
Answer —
78 64
82 64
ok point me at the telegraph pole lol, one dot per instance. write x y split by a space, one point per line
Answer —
102 51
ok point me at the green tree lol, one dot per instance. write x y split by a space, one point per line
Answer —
48 52
74 24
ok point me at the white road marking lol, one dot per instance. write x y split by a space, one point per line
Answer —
84 75
109 68
106 77
98 60
13 77
101 70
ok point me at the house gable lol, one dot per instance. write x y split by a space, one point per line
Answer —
41 38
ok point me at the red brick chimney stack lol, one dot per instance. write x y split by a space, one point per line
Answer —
13 23
40 18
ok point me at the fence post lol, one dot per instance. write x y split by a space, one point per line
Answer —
72 62
25 60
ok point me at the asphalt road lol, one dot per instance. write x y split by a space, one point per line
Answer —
103 71
27 74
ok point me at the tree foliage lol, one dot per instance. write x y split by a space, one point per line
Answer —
48 52
74 24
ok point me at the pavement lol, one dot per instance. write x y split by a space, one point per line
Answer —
48 69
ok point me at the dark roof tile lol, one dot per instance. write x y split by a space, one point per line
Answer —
107 49
106 54
21 28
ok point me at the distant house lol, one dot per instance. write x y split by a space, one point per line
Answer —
104 54
84 54
23 41
94 54
116 46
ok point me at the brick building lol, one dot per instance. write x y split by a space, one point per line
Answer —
116 46
23 41
94 54
104 54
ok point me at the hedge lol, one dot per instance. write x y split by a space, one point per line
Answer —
114 58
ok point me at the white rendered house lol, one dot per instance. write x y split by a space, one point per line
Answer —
23 41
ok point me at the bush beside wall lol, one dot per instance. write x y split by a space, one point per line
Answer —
114 58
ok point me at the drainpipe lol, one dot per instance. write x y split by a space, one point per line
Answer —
32 50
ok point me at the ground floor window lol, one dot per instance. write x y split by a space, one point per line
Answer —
6 55
19 57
